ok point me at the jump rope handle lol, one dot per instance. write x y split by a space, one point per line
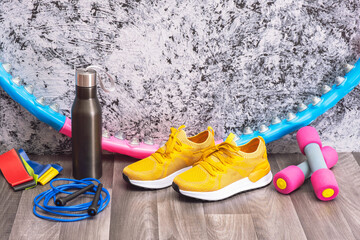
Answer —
61 201
92 210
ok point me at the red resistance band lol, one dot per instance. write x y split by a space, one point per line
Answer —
13 168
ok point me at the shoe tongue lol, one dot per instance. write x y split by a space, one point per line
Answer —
214 158
182 137
231 139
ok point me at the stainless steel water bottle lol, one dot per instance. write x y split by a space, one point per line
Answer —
86 124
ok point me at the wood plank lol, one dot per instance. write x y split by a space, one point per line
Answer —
140 214
133 211
9 202
357 157
28 226
230 226
320 220
271 210
97 227
347 173
180 217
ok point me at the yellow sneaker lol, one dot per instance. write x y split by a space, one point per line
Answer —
177 155
225 170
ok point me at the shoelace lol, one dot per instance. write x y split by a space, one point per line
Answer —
172 144
224 152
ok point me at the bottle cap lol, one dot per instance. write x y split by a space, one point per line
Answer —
85 77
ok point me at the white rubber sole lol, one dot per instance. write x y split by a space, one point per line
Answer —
230 190
160 183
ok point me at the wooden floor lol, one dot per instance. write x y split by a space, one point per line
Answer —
163 214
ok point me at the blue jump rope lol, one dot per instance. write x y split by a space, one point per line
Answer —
71 213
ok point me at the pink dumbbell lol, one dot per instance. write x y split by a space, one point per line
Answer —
320 159
291 178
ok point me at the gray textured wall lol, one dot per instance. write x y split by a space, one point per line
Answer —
227 64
